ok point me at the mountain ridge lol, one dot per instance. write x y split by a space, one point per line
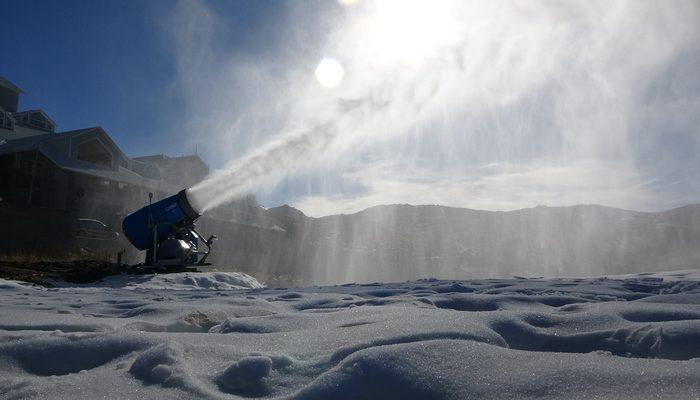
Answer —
289 206
405 242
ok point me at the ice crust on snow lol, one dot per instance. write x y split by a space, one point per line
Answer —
622 337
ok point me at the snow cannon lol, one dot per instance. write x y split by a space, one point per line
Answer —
166 230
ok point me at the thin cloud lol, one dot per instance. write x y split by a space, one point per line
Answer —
495 187
498 106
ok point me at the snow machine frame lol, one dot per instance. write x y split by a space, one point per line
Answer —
182 233
166 230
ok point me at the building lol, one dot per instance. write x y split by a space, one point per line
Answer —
9 95
49 179
18 124
76 174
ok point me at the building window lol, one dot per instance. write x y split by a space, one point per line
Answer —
6 121
94 152
37 120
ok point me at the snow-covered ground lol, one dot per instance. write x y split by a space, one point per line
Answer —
631 337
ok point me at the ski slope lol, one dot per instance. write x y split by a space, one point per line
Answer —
625 337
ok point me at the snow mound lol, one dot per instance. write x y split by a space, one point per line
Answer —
155 364
7 284
63 354
184 281
457 369
245 375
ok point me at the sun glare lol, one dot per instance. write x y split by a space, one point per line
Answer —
407 31
329 73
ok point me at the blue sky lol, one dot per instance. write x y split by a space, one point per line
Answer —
110 63
472 104
92 63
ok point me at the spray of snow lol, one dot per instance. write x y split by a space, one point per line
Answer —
581 67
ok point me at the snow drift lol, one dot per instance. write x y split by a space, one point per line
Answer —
176 281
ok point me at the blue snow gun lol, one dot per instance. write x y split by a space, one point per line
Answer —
165 229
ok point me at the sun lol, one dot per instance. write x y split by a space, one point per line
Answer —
329 73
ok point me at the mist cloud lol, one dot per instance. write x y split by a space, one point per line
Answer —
491 187
562 97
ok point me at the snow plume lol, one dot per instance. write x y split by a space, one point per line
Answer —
474 83
242 176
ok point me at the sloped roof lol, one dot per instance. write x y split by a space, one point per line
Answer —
152 158
68 135
43 143
24 144
9 85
